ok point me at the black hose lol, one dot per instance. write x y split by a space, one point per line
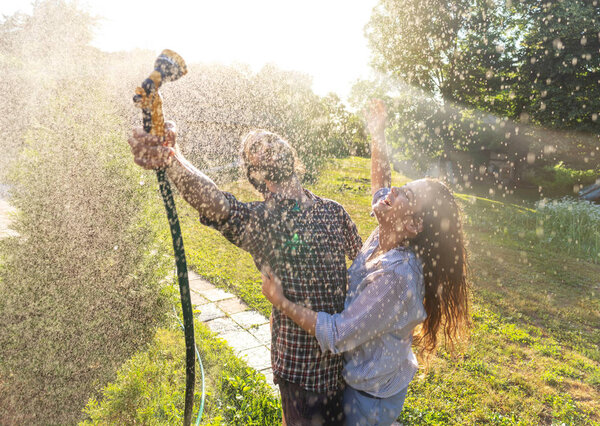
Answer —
184 291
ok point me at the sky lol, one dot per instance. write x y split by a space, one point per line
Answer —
323 38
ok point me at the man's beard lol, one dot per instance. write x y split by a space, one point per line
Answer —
260 186
276 174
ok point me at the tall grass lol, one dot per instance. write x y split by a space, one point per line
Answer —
567 224
572 225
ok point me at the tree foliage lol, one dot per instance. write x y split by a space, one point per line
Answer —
451 48
558 80
215 105
533 62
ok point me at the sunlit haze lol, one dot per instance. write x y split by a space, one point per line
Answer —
324 39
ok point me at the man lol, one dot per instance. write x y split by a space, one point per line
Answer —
300 237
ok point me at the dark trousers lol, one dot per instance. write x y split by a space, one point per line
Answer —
305 408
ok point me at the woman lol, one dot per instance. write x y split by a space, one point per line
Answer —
411 270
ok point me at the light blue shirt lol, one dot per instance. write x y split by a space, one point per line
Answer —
383 306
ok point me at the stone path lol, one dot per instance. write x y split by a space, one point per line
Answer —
247 332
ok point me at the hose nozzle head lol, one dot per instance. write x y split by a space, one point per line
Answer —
170 65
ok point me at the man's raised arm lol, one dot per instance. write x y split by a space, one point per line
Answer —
194 186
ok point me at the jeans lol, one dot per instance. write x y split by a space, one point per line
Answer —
364 410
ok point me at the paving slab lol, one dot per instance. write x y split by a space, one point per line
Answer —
209 312
232 306
248 319
240 341
198 283
197 299
223 326
262 333
216 294
258 358
247 332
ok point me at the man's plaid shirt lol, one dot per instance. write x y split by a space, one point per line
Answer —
306 249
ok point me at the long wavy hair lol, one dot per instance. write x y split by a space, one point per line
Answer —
441 248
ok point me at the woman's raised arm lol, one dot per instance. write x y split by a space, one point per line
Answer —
381 174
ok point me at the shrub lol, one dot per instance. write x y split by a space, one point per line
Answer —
560 179
249 401
149 388
81 287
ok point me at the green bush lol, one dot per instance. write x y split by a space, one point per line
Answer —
560 179
248 401
81 287
150 387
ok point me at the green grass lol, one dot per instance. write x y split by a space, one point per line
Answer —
150 387
533 356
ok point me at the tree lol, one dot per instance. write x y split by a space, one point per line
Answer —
486 58
54 37
452 49
530 61
36 50
344 132
415 118
558 82
455 53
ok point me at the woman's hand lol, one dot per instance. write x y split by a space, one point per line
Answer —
376 114
272 288
273 291
154 152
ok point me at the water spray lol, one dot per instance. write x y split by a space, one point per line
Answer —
169 66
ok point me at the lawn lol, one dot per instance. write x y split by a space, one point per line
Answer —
150 387
533 356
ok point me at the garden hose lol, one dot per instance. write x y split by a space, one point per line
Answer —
169 66
203 397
